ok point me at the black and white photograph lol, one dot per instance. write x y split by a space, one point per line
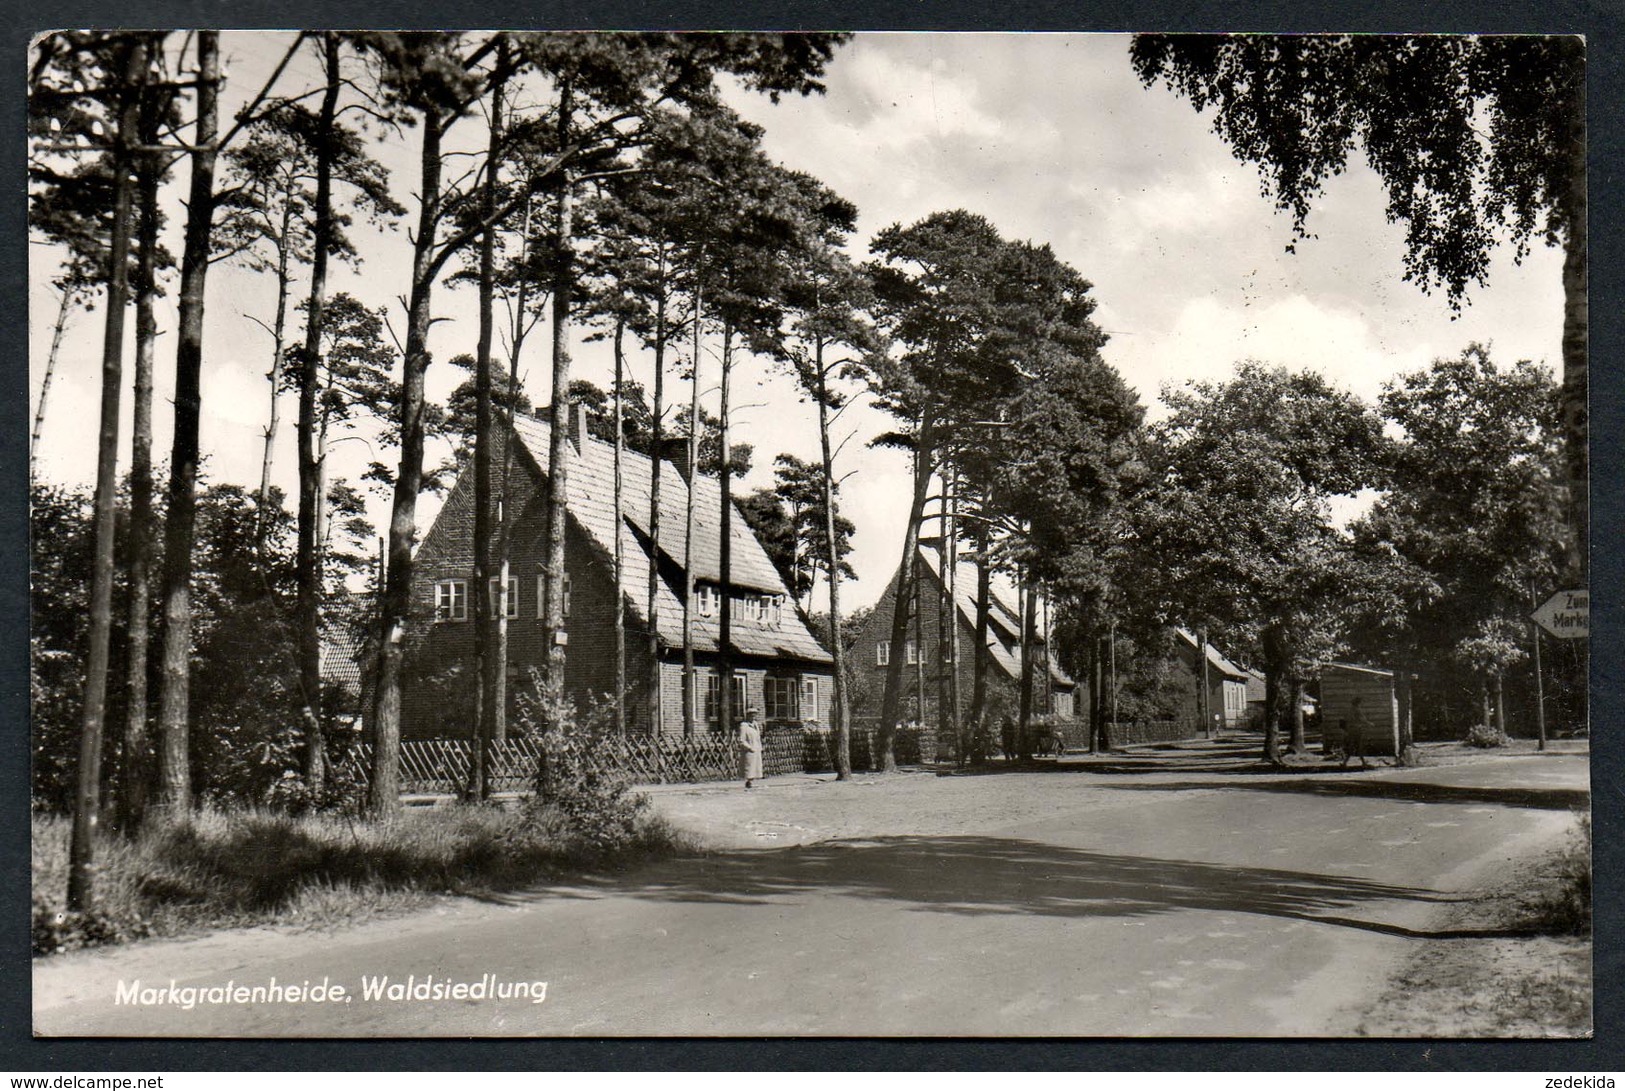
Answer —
917 534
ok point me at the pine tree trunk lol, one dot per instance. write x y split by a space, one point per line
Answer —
688 515
81 894
944 725
136 746
725 666
384 794
984 606
307 559
174 713
63 310
1029 618
558 455
891 700
657 460
278 330
486 666
843 701
620 536
499 692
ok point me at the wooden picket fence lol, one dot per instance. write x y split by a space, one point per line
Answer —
441 766
1140 732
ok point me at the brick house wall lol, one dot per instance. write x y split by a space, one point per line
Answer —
755 673
1003 694
1227 698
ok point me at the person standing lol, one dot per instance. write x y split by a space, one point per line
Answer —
750 747
1354 736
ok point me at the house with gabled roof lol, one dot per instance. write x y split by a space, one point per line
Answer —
1225 705
925 670
778 665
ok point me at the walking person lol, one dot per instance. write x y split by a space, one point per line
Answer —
750 747
1354 735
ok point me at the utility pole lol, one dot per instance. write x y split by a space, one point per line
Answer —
1205 704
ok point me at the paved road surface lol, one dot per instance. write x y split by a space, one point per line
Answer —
1058 903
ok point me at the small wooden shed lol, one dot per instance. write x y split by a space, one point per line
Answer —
1340 684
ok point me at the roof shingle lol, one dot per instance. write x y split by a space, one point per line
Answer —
590 487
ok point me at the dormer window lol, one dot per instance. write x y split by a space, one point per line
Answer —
705 598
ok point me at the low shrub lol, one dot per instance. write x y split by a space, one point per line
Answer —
1486 737
587 800
582 795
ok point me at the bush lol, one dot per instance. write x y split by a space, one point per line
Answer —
582 793
58 931
586 798
1486 736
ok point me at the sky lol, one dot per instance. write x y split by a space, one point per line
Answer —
1049 136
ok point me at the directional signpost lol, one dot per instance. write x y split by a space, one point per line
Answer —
1567 616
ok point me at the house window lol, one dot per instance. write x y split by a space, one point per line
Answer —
451 600
779 698
541 595
911 654
513 597
737 705
809 697
775 611
706 597
882 654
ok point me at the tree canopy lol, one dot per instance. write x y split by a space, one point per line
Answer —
1479 140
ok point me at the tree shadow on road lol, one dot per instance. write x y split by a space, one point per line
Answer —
1551 799
995 876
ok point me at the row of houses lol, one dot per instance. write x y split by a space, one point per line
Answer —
779 666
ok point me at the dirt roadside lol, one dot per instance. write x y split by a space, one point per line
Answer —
1503 981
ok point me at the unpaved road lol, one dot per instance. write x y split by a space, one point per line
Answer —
1175 902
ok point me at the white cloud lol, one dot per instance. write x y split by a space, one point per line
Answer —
1209 337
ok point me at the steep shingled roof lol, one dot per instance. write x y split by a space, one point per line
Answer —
591 502
1003 612
1215 658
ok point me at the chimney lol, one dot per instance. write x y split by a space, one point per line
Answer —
675 451
578 423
